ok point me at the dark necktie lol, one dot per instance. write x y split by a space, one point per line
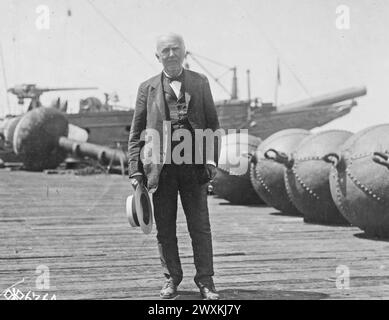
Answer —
179 78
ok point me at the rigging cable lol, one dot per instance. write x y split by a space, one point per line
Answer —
271 44
210 60
209 73
228 68
121 34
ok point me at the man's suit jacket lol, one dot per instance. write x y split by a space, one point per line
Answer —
150 112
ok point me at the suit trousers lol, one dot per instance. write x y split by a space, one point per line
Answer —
183 179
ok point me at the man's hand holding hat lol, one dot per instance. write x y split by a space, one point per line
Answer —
135 179
210 166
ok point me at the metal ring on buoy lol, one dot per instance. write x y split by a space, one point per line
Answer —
332 158
279 157
381 158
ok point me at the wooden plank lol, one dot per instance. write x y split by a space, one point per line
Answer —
77 227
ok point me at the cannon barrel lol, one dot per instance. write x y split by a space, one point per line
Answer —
328 99
41 140
24 91
28 88
105 155
64 89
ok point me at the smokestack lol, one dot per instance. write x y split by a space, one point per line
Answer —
234 91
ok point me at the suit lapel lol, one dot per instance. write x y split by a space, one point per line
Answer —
158 93
189 88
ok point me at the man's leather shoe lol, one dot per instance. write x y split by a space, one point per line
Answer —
169 289
209 293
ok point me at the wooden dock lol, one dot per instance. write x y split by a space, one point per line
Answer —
77 227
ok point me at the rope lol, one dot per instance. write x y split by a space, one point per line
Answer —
121 34
272 45
210 74
209 60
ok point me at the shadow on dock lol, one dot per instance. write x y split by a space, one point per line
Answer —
285 214
256 205
244 294
366 236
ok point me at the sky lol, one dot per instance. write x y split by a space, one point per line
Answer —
111 45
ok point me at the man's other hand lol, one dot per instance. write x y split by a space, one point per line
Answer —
135 180
211 170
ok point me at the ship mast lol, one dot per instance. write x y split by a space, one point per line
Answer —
234 90
248 95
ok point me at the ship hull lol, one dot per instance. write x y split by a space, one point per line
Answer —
112 128
104 128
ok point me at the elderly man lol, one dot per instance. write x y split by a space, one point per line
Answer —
183 99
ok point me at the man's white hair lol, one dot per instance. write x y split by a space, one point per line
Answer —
170 35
